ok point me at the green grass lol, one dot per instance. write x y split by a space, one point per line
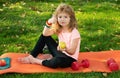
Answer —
21 23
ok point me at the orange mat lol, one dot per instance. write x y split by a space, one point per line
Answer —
97 63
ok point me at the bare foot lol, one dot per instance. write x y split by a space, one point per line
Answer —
45 57
30 60
25 59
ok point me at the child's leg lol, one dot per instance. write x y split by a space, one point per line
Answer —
51 43
58 62
38 48
59 59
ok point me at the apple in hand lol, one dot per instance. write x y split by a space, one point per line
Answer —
2 62
62 45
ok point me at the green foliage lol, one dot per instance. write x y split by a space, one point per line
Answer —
22 21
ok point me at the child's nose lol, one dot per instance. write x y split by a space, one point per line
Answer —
62 18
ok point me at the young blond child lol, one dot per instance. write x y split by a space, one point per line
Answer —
63 23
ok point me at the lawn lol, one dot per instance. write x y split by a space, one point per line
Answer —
22 21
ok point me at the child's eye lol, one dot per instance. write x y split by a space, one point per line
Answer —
59 17
65 16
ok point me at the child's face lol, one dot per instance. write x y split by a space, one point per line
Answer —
63 19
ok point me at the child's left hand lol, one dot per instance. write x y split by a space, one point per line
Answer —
62 46
60 49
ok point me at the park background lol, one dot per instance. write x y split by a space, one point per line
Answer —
22 22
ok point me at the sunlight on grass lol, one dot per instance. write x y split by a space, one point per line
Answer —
94 22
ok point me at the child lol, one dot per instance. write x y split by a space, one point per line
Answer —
63 24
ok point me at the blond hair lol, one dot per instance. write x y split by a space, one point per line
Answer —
67 9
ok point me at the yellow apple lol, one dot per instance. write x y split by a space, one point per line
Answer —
62 45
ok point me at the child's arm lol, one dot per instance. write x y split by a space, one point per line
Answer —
47 30
73 47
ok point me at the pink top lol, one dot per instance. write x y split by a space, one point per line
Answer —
68 38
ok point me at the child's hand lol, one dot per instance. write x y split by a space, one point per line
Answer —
60 49
61 46
52 20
